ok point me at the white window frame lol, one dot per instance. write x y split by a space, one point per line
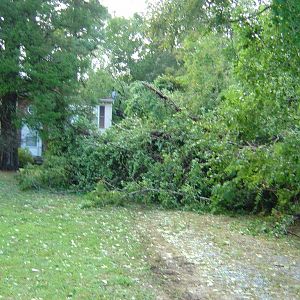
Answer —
102 117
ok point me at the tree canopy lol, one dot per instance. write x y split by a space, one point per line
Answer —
46 48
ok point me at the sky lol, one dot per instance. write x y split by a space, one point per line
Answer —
125 8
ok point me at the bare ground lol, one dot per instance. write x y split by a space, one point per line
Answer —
202 257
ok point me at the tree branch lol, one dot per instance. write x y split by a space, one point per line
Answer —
251 16
167 100
158 191
293 233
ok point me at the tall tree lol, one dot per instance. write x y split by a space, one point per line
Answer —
45 49
132 54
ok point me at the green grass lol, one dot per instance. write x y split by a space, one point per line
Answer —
50 248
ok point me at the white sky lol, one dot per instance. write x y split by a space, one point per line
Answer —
125 8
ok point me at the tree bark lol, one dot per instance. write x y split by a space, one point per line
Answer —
8 133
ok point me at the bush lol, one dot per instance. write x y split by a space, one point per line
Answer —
52 174
30 177
261 178
101 197
25 157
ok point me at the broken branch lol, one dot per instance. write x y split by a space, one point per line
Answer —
167 100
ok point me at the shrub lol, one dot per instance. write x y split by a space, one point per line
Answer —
262 177
52 174
30 177
101 197
25 157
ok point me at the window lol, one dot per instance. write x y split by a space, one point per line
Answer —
31 139
101 116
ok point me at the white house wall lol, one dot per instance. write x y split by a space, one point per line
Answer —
34 150
37 150
107 116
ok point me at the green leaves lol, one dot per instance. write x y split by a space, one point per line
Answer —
46 47
238 70
132 53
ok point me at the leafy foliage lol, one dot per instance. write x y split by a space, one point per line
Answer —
133 56
45 50
51 175
25 157
239 76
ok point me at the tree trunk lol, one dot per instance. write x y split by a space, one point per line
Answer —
8 133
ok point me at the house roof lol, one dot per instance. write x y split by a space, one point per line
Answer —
106 100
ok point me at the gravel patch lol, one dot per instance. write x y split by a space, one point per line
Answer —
201 257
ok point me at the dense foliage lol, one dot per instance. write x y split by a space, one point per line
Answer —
25 157
45 50
222 134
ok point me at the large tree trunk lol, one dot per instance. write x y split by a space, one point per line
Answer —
8 133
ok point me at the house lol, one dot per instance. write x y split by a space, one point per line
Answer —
31 140
103 114
103 120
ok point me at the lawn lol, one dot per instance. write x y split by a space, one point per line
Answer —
50 248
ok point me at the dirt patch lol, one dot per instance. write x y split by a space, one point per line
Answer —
201 257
